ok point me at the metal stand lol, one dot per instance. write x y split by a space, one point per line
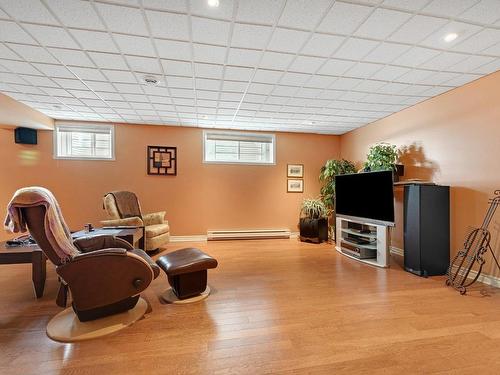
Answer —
476 244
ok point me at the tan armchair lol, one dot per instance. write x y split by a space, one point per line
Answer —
123 209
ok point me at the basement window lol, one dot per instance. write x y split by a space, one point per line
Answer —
84 141
238 148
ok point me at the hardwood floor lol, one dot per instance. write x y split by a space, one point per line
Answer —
277 306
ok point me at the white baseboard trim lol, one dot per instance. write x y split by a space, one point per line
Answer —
294 235
195 238
485 279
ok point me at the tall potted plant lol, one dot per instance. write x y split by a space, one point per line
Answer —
313 222
383 157
327 175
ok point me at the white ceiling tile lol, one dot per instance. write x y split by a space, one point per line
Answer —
208 84
479 42
72 57
370 85
135 45
390 73
175 5
306 64
411 5
489 68
128 88
169 49
119 76
123 19
345 83
19 67
386 52
51 70
75 13
209 54
322 45
355 48
436 39
30 53
363 70
320 81
275 60
284 90
210 31
178 68
239 74
201 8
250 36
168 25
101 86
448 8
267 76
415 76
70 83
344 18
462 79
10 32
208 70
382 23
260 11
95 41
300 14
234 86
415 56
442 77
285 40
144 64
51 36
83 94
180 82
260 88
493 50
6 53
294 79
108 60
418 28
336 67
243 57
88 73
471 63
443 61
486 11
40 81
28 11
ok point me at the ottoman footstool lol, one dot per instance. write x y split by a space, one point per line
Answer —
186 270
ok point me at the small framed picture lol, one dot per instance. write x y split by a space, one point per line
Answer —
295 170
295 185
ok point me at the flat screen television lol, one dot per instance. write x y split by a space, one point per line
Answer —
25 136
368 196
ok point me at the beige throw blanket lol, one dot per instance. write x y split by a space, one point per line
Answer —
127 204
56 230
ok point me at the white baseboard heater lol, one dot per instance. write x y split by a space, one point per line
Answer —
247 234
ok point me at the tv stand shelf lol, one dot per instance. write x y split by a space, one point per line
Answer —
352 241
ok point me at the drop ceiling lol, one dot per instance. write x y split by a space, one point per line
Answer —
318 66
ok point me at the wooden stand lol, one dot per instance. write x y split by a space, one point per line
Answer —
378 239
169 297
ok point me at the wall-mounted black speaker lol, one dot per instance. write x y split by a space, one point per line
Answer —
25 136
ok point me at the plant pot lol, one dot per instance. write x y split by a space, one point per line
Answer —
313 230
399 171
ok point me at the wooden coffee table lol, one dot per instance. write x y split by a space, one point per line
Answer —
27 254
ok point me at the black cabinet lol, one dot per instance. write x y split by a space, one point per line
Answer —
426 229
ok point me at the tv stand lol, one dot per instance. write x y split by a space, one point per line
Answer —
363 241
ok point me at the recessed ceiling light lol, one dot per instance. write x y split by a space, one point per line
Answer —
151 80
450 37
213 3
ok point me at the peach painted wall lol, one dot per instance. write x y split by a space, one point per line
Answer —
202 196
452 139
14 113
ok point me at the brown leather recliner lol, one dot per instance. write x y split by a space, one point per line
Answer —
105 278
123 209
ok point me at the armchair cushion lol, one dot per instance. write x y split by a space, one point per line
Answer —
87 244
156 230
130 221
154 218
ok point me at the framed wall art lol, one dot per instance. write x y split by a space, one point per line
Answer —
295 170
162 160
295 185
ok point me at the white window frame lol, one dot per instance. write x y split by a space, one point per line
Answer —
83 126
243 135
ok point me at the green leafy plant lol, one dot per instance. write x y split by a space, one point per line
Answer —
327 175
314 208
381 157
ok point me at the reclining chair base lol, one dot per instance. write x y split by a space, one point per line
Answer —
66 327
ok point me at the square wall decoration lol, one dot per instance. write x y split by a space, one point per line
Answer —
162 160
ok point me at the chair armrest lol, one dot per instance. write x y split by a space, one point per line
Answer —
93 243
106 276
129 221
154 218
147 258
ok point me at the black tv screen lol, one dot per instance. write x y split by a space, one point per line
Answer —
365 195
25 136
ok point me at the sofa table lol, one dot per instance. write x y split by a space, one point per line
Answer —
27 254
